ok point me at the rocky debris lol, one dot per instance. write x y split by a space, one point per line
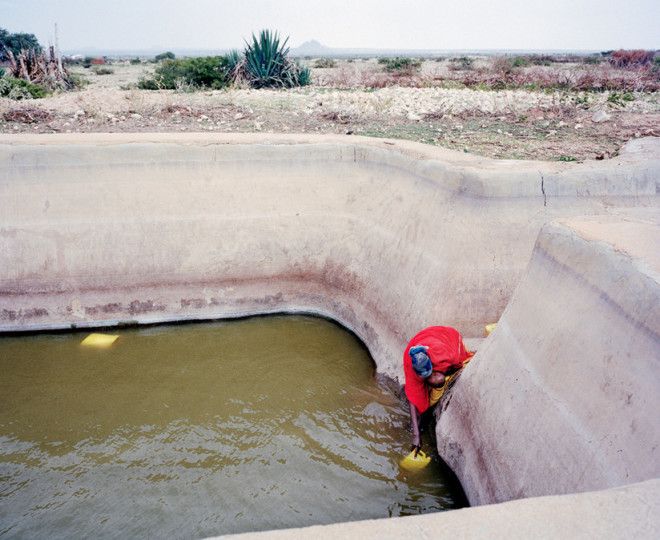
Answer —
601 116
27 115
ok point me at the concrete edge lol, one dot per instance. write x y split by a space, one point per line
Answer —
636 171
631 511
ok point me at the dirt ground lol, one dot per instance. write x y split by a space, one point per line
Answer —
517 124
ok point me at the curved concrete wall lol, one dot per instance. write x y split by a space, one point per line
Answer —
564 395
385 237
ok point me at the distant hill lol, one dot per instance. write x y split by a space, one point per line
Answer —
311 48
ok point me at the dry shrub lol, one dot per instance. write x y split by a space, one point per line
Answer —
180 109
27 115
337 117
587 79
502 65
631 58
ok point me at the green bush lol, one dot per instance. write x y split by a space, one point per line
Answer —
165 56
400 64
519 61
266 64
323 63
135 61
619 99
202 72
99 70
19 89
593 59
79 81
148 84
462 62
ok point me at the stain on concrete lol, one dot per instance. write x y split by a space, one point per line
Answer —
15 315
196 303
136 307
113 307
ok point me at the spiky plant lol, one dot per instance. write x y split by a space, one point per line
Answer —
233 60
265 63
265 60
304 75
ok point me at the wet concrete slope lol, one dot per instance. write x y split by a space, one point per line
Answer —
385 237
564 396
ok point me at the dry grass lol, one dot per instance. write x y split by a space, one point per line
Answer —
502 73
431 105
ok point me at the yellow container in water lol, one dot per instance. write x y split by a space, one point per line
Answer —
99 340
414 462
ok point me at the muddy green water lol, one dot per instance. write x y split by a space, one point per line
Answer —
196 430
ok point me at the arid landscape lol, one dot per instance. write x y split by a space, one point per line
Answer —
483 105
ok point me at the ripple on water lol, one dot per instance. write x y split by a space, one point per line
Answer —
197 430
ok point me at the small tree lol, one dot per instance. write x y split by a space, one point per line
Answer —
15 43
165 56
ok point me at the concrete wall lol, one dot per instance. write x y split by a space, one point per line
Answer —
385 237
564 395
627 512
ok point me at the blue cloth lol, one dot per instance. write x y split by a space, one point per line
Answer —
421 362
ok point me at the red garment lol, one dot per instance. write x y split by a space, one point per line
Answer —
447 353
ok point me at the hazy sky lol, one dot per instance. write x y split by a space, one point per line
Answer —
422 24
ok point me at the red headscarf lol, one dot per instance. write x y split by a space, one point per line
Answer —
447 352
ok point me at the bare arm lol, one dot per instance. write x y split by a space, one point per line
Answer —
414 422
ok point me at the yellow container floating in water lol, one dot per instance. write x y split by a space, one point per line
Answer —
414 462
489 328
99 340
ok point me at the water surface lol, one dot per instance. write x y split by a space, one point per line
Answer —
202 429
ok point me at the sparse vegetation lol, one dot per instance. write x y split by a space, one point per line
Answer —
461 63
430 105
13 88
633 58
323 63
102 70
401 65
193 73
619 99
27 115
165 56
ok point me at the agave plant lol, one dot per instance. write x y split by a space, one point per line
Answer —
265 60
304 75
265 63
233 60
